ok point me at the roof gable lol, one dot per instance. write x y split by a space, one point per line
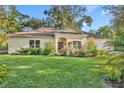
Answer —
71 29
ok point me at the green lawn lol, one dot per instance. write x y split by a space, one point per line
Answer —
45 71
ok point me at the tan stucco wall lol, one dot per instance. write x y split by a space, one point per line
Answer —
69 38
16 43
100 43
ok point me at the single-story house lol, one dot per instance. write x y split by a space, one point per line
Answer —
69 37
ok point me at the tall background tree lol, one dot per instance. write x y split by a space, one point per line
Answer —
4 23
104 32
11 19
64 16
3 40
33 23
3 19
117 22
9 23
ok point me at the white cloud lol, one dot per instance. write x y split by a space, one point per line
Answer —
91 8
103 12
84 24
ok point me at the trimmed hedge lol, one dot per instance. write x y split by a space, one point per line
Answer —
30 51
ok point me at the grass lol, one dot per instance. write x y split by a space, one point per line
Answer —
53 72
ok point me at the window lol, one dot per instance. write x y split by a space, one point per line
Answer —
34 43
31 43
77 44
37 43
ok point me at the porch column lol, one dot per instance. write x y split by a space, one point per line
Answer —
56 45
67 46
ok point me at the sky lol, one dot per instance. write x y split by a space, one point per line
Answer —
96 12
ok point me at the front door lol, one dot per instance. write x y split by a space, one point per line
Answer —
60 45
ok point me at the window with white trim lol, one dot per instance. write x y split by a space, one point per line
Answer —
77 44
34 43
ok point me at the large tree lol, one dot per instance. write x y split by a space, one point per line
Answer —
33 23
64 16
11 20
3 40
104 32
14 25
117 22
4 23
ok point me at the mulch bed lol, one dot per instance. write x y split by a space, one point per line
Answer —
113 83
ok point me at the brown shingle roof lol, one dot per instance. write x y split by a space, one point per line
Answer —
40 32
47 32
36 32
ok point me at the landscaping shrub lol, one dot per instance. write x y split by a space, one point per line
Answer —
30 51
91 44
94 52
63 52
24 51
91 48
35 51
114 67
102 52
71 52
48 49
113 73
76 52
82 52
3 73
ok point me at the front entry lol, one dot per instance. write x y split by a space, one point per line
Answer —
61 44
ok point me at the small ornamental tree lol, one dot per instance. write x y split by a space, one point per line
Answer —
91 47
48 49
